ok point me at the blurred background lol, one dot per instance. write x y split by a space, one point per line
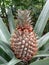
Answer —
34 5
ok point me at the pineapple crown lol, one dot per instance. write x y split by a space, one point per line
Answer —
24 16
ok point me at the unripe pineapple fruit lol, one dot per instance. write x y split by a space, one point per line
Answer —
23 40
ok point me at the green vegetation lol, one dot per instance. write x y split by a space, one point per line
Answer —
8 18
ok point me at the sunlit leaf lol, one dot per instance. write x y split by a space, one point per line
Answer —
42 20
43 40
4 33
11 20
41 55
13 61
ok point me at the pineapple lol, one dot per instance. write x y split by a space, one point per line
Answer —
23 40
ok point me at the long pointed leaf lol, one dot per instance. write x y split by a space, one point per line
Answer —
4 33
2 60
6 49
42 20
41 62
13 61
43 40
4 64
11 20
41 55
46 47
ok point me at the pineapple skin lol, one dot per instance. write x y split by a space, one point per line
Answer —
23 41
24 44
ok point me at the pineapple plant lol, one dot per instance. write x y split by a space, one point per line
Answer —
23 40
8 39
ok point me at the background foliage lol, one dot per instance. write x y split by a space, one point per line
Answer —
34 5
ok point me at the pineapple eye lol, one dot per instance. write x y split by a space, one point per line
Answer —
26 44
25 49
23 41
22 46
